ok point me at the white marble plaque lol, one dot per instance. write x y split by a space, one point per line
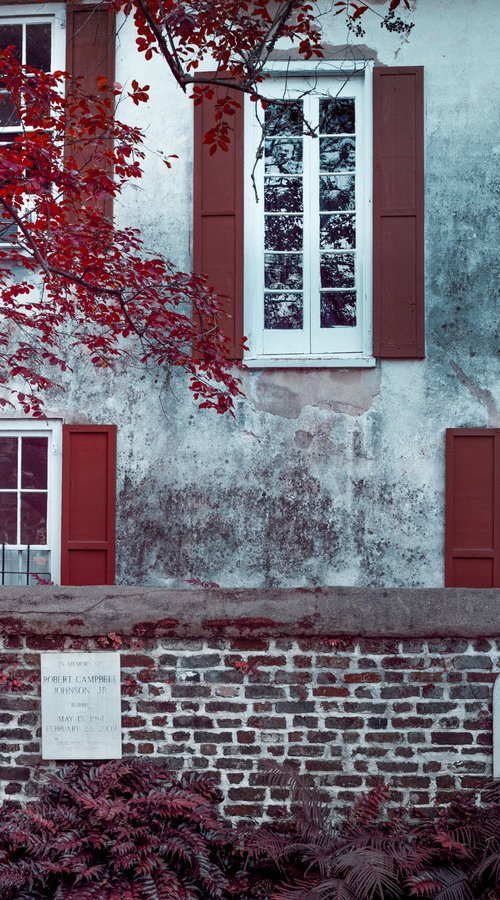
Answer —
496 728
81 706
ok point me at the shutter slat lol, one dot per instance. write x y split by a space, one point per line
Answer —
88 504
218 217
398 213
472 533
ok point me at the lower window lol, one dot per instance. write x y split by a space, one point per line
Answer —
30 502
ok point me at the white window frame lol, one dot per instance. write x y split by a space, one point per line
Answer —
53 14
52 429
286 80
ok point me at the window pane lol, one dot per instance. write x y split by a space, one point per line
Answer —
12 34
283 195
34 462
336 116
283 270
8 228
283 233
283 311
337 154
8 462
336 192
39 564
38 40
8 113
33 518
337 233
284 118
338 308
337 270
283 156
8 518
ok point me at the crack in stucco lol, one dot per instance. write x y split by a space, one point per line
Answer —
482 394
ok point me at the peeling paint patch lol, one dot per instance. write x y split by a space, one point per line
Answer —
285 392
303 439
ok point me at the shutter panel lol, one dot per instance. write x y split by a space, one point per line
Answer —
90 52
398 213
472 545
218 218
88 504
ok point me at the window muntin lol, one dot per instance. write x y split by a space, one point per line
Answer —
30 493
307 233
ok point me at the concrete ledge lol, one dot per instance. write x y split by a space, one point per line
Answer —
329 611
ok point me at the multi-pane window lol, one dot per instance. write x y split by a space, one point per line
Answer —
37 41
29 504
307 232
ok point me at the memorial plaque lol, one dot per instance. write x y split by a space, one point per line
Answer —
496 728
81 706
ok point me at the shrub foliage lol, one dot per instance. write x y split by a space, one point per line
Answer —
132 830
126 830
452 855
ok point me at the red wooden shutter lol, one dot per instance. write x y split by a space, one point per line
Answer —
472 546
88 504
398 212
90 51
218 218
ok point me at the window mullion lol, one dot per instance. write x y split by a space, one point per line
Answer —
313 225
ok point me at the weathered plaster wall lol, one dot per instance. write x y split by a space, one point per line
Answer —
324 477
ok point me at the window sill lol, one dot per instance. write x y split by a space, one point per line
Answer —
310 362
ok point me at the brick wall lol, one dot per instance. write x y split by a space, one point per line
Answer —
346 711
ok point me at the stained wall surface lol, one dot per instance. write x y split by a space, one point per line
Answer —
324 476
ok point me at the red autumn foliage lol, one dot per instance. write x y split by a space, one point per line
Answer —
69 280
99 288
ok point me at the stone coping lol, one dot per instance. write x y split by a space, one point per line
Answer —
251 612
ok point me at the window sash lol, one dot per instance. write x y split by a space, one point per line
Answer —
53 432
312 340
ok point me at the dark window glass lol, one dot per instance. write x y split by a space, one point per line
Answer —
9 117
284 118
38 40
336 116
283 233
34 462
12 35
283 311
8 462
283 194
283 156
283 270
338 308
33 518
8 518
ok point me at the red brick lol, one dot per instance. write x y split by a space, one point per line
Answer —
246 737
361 677
45 642
133 722
249 644
451 737
267 660
14 773
136 660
